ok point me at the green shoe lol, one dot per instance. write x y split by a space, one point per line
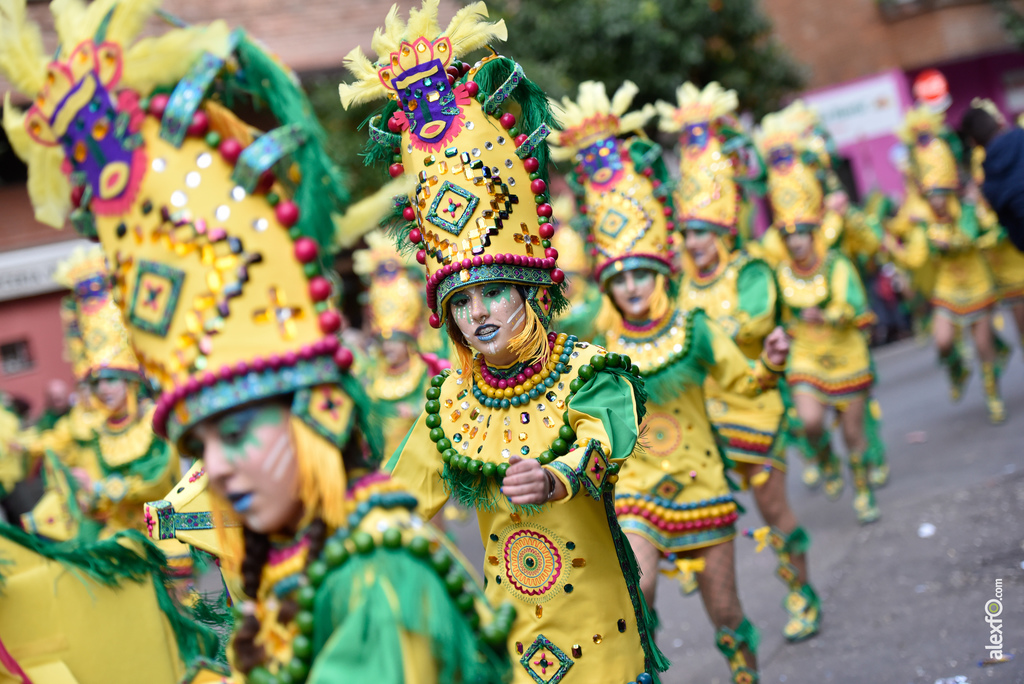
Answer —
834 483
804 611
864 505
812 475
879 475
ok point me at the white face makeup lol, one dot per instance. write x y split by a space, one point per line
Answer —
700 244
631 291
112 393
250 460
489 316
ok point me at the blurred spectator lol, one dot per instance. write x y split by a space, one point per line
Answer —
1004 168
57 404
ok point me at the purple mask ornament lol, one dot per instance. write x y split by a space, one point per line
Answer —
95 145
430 103
781 156
602 161
697 135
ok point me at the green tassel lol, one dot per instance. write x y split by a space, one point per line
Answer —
321 191
374 596
798 541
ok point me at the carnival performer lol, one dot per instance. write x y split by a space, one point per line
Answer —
531 428
824 308
672 499
739 293
583 296
230 312
964 291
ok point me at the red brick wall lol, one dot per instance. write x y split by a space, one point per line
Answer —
840 40
38 320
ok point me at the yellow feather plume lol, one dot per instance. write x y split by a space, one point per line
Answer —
129 18
48 187
22 57
365 215
593 117
166 59
694 105
921 119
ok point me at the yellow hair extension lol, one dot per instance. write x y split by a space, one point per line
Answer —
322 480
165 59
531 345
229 534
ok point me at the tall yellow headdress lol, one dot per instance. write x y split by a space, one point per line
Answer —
474 139
214 234
708 197
794 188
395 293
97 340
567 241
932 161
622 183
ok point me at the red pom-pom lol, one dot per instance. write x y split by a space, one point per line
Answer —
157 105
77 192
343 358
396 170
667 211
394 125
200 123
546 231
415 235
231 150
538 186
521 138
551 253
421 256
531 164
329 321
472 88
287 213
266 181
557 276
544 210
435 321
305 250
507 120
409 214
319 288
451 79
453 71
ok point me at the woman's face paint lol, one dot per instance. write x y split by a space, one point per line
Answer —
489 316
800 247
631 291
250 460
701 246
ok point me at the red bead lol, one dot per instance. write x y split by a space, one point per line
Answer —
157 105
415 235
308 352
538 186
546 231
531 164
77 192
557 276
521 138
230 149
305 250
544 210
191 385
453 71
464 69
656 184
259 365
396 170
319 288
274 361
551 253
648 172
499 258
394 124
451 79
266 181
330 344
671 225
200 123
343 358
467 263
241 368
520 379
472 88
528 372
507 120
225 374
208 379
435 321
478 261
287 213
421 256
289 359
488 259
667 211
409 214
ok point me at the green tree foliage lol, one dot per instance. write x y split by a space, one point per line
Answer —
658 44
1012 15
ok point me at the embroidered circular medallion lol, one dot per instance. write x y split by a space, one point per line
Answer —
536 564
663 434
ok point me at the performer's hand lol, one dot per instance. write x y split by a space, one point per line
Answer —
776 346
526 482
812 314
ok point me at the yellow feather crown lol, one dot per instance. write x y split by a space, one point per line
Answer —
931 160
794 189
593 117
395 303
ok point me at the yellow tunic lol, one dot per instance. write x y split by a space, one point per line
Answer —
1005 261
674 493
741 296
831 359
563 565
403 393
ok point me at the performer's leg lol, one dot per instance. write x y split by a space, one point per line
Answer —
981 330
647 555
735 637
852 422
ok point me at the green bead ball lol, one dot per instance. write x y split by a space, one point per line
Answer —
302 646
598 362
488 469
305 597
304 621
437 381
576 385
335 553
436 434
432 406
465 603
567 433
419 547
392 538
502 469
298 669
434 393
441 562
560 446
443 445
586 372
316 572
454 582
613 360
364 542
433 421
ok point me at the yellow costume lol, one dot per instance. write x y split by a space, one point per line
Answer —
478 216
674 493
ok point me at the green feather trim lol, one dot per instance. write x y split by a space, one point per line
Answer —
377 153
798 541
362 606
212 611
126 556
320 192
682 370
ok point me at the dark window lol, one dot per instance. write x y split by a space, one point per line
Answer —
15 357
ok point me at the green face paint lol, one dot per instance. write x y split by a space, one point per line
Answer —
237 431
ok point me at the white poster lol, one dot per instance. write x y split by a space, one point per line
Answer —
26 272
860 111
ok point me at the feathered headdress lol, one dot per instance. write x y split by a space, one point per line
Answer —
593 117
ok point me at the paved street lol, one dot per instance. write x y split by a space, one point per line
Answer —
899 608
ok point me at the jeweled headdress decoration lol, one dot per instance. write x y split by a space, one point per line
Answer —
622 183
932 161
708 196
474 139
794 188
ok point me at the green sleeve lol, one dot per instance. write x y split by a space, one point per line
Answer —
847 285
610 399
756 285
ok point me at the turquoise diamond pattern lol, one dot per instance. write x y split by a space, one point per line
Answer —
545 662
452 208
613 222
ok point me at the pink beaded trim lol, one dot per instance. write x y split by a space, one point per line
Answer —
528 372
